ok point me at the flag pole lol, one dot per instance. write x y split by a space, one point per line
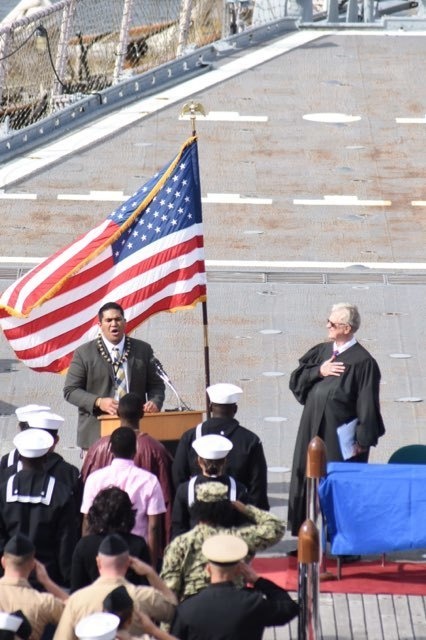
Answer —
193 109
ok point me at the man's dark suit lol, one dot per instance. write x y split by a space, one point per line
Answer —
90 377
223 610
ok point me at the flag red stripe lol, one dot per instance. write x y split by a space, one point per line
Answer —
52 278
169 303
82 278
76 332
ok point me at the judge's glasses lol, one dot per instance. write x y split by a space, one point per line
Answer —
333 325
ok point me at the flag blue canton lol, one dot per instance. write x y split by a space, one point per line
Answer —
176 206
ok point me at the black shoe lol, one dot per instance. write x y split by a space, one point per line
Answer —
348 559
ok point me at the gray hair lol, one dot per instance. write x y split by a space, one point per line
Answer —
350 314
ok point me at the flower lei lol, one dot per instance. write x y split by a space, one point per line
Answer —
106 356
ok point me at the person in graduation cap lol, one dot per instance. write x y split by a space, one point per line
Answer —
222 609
14 625
212 451
41 609
11 458
337 382
246 461
113 559
34 503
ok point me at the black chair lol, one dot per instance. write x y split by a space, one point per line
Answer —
410 454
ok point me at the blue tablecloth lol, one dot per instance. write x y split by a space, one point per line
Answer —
374 508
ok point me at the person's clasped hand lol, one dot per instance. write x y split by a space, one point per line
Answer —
331 368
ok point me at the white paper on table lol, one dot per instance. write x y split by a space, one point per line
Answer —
347 439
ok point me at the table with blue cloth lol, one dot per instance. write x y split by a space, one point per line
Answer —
374 508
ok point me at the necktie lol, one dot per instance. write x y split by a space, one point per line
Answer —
335 353
120 376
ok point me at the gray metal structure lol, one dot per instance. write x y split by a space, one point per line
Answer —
298 213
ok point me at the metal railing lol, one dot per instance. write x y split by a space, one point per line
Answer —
73 50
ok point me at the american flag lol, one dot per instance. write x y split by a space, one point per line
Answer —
148 255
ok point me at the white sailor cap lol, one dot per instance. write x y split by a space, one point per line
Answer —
224 393
98 626
22 412
9 622
45 420
212 447
33 443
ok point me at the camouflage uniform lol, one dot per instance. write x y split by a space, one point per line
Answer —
184 565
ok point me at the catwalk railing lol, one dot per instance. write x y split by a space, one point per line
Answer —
58 56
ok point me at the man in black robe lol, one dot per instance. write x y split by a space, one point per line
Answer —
337 382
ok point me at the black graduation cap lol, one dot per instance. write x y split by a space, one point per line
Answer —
19 545
117 600
113 545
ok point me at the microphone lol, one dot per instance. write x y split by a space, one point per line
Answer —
182 406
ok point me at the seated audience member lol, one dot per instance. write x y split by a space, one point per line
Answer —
111 512
21 413
14 626
212 451
120 603
113 562
246 461
41 609
34 503
184 565
151 455
143 488
223 610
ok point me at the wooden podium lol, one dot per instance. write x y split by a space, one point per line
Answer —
164 426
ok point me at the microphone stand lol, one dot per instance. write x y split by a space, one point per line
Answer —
182 406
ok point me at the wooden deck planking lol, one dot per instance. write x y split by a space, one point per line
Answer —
364 617
373 622
417 607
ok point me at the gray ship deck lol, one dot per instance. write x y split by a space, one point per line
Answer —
325 211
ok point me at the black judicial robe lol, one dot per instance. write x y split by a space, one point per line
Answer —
41 507
328 403
245 462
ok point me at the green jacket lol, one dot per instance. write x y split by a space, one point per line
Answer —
184 565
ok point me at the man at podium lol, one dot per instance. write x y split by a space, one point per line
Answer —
105 369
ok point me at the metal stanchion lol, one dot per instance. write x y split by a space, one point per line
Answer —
308 556
316 468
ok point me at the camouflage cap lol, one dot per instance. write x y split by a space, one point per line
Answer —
211 492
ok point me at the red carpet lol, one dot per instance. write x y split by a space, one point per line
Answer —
399 578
